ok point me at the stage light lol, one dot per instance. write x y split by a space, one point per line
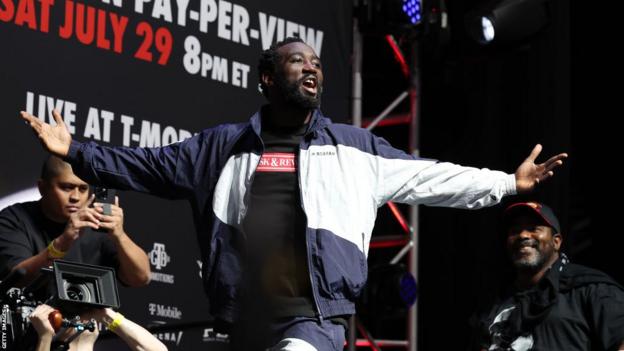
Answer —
390 290
488 29
388 16
508 21
412 9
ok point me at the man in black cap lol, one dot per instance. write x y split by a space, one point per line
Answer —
552 304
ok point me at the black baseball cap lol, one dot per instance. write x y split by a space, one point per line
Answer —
542 211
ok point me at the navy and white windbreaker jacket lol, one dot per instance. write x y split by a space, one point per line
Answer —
345 174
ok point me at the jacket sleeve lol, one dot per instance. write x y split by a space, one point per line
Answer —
407 179
169 171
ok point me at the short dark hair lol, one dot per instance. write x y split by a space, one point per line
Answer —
269 58
52 167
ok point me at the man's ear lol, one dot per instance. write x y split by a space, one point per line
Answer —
267 79
41 185
557 241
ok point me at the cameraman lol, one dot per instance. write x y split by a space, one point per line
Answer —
135 336
33 234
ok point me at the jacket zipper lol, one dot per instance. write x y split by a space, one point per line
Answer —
248 190
309 252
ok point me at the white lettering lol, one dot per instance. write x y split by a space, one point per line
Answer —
225 20
312 37
239 74
207 14
45 105
269 24
127 122
267 29
292 29
117 3
164 311
162 8
182 6
30 102
169 136
162 278
239 25
92 127
150 134
220 69
138 5
107 118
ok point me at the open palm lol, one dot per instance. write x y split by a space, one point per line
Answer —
56 139
529 174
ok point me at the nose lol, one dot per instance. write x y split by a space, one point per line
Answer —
524 234
74 195
310 67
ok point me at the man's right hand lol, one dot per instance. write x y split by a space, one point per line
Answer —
56 139
86 217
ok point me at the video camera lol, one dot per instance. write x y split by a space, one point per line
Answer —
77 287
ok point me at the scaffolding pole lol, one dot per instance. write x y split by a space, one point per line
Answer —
356 117
414 148
411 247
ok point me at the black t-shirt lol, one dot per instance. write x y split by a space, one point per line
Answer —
589 317
25 231
275 225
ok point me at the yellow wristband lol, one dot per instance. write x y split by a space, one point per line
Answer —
54 252
116 322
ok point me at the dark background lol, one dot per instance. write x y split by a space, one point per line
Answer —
483 107
487 107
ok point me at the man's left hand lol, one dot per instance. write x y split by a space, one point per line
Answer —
113 223
529 174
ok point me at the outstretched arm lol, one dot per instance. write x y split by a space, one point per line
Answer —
162 171
56 139
529 174
411 180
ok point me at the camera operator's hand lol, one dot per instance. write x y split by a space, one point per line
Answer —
86 339
113 223
41 323
39 319
86 217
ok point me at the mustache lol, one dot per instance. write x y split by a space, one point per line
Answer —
309 75
319 85
525 243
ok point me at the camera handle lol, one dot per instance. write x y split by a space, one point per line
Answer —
76 324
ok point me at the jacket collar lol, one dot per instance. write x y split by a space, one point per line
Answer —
318 121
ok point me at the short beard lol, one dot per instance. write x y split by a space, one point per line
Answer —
293 95
536 262
533 263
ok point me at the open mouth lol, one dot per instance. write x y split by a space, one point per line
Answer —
310 85
526 247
